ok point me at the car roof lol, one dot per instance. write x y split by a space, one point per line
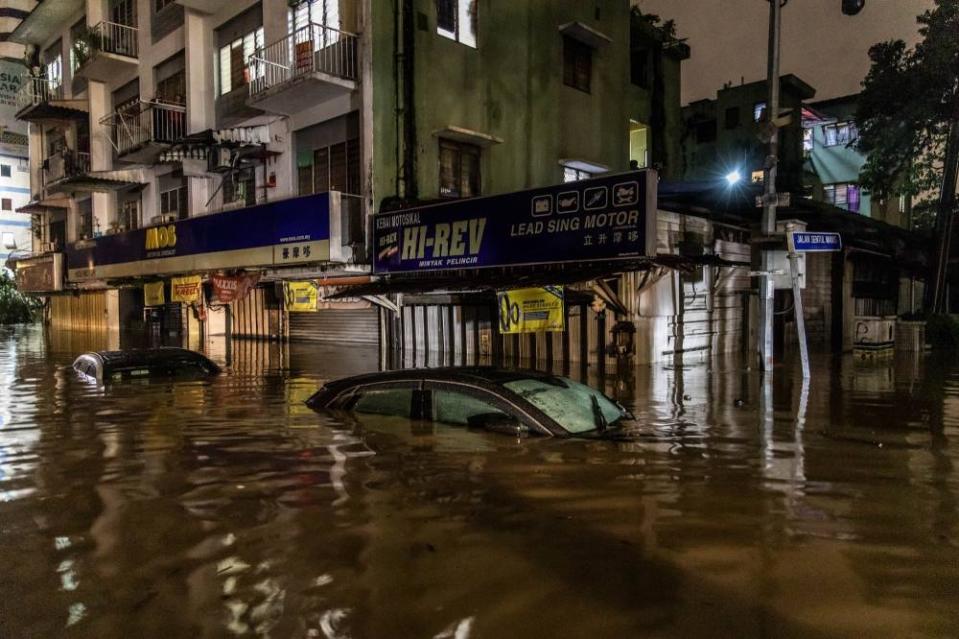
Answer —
144 356
470 374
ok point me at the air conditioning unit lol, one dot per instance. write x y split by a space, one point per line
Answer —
221 159
156 220
170 218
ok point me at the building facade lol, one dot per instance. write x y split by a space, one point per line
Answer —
255 140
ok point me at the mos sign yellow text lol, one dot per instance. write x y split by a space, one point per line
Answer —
161 237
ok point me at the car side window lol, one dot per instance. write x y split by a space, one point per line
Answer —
456 408
395 402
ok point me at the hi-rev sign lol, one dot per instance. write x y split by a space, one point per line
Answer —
807 242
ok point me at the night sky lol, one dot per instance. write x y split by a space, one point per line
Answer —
820 45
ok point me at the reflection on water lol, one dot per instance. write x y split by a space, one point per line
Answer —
225 508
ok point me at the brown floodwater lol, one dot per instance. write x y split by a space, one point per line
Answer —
226 508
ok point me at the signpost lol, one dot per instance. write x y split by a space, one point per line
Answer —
805 242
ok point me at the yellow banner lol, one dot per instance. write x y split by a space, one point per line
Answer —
300 297
185 289
529 310
153 294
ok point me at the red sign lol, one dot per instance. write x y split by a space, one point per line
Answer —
232 288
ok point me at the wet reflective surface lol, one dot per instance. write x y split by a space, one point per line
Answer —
226 508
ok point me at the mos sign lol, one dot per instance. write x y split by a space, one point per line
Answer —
607 218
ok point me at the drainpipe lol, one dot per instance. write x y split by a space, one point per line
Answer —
410 191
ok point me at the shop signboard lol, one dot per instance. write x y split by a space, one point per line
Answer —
186 289
153 294
530 310
287 232
605 218
300 296
43 274
233 288
814 242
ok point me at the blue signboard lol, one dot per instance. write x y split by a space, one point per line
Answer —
285 232
607 218
808 242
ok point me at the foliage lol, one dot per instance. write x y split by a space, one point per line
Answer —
942 332
908 99
15 307
666 28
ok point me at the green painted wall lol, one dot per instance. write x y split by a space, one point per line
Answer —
511 87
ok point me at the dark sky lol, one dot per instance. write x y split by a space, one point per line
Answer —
820 45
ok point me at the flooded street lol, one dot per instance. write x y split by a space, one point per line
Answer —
227 508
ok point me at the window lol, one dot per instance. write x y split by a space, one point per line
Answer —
459 169
639 67
638 145
458 20
757 176
173 202
807 141
4 170
571 174
54 71
6 204
842 133
845 196
8 241
240 186
395 402
128 217
577 64
732 117
234 70
172 90
460 409
79 48
759 109
324 12
85 219
576 407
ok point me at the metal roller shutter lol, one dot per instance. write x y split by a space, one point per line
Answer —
353 326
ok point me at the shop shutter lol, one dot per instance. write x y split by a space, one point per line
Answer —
340 326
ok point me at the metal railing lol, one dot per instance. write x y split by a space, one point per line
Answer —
36 90
65 164
146 122
110 37
314 48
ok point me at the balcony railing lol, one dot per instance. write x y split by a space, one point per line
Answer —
110 37
65 164
36 90
314 48
144 123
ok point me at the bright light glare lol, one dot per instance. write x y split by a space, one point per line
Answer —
733 177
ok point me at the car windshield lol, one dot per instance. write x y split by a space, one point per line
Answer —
574 406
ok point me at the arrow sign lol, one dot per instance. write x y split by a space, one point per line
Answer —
804 242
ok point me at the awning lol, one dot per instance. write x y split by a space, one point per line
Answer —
495 279
460 134
98 182
585 34
40 206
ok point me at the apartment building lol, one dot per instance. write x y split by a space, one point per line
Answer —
204 137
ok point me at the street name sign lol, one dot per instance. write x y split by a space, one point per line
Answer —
810 242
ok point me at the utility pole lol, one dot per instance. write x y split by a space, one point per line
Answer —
945 219
770 197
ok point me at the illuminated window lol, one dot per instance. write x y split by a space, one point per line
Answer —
845 196
638 145
759 110
457 20
571 174
807 140
842 133
756 177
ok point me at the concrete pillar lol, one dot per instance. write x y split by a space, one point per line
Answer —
200 86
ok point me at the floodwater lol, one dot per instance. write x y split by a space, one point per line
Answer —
225 508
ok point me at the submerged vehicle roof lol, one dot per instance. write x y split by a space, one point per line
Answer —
140 357
487 374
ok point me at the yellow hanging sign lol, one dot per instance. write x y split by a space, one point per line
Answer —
185 289
300 297
530 310
153 294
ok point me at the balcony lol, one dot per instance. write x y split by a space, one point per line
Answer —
208 7
311 65
108 50
41 99
64 165
141 132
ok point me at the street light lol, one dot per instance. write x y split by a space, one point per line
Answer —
733 177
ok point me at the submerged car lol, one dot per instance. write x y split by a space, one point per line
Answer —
146 363
507 401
